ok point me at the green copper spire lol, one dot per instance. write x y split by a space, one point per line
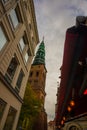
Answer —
40 55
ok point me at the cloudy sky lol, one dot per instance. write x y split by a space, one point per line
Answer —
53 18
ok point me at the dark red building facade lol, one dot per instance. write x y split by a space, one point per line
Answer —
72 96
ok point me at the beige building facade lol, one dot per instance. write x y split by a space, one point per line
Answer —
18 39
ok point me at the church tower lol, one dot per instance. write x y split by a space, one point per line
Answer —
37 80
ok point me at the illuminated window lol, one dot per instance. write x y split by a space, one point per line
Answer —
10 119
3 39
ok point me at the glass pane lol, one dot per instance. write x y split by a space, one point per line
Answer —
2 107
5 0
14 18
22 44
2 38
12 67
10 119
20 78
26 57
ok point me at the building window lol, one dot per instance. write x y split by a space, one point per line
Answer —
12 68
13 18
10 119
22 43
3 39
27 56
19 81
2 107
37 74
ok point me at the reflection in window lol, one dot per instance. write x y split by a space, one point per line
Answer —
22 43
12 68
10 119
26 57
19 81
13 18
2 107
3 39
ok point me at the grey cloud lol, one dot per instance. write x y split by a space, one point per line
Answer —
53 18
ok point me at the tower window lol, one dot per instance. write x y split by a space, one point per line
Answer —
31 73
37 74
